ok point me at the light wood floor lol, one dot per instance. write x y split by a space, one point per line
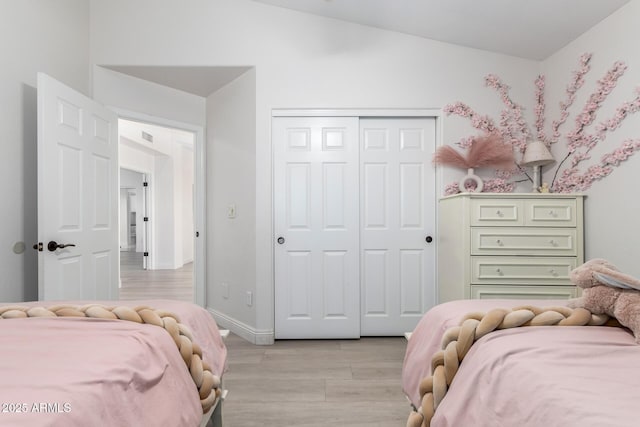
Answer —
137 283
301 383
315 383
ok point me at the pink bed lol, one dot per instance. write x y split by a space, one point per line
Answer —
85 372
530 376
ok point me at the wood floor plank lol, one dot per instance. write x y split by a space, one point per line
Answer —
381 370
289 370
315 414
137 283
278 390
316 383
368 390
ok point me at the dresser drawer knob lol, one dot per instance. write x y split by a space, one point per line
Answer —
553 273
499 272
553 243
499 213
499 242
553 213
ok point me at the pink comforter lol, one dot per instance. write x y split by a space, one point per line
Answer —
530 376
94 372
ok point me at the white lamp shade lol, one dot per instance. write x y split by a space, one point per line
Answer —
536 154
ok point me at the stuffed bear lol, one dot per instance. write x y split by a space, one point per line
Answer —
605 290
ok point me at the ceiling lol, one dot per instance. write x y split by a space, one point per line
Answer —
201 81
532 29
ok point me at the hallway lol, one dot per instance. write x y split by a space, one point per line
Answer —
137 283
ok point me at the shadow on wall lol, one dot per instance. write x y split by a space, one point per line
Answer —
30 199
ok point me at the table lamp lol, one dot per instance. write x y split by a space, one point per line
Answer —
537 154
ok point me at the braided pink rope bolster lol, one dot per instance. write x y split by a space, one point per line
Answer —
457 341
207 383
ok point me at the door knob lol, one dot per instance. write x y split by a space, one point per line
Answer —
429 239
281 240
53 245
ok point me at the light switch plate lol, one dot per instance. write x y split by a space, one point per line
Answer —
231 211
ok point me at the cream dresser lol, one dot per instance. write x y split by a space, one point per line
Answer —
495 245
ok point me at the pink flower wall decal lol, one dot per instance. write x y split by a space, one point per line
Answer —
513 129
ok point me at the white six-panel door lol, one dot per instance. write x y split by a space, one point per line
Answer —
317 284
77 195
397 218
354 208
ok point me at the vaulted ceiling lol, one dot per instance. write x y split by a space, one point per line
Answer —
532 29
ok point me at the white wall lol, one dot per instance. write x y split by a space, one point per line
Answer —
164 246
231 174
186 205
612 204
128 93
124 244
35 35
301 61
183 230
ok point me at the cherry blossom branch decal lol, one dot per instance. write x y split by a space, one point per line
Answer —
580 143
576 83
572 180
513 129
539 110
512 123
483 123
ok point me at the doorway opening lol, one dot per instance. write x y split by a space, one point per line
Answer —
134 232
157 226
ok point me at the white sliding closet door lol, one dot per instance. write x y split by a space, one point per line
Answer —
354 217
317 284
397 206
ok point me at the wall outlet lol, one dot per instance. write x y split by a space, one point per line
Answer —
225 290
249 298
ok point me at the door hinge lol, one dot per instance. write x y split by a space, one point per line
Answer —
146 218
145 184
145 254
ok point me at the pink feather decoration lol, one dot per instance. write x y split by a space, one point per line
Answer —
448 156
485 151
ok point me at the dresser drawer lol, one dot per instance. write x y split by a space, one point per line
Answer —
522 270
523 241
523 292
550 213
497 212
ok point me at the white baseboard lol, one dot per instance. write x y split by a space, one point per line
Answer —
249 333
